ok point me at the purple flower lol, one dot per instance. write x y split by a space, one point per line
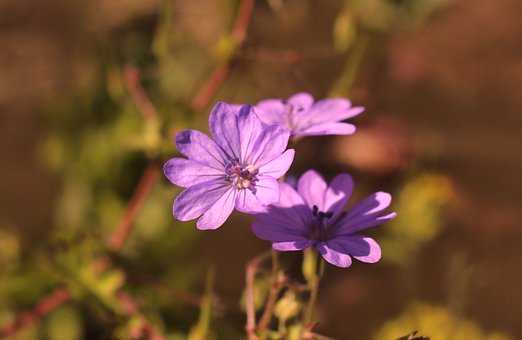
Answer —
313 216
303 117
238 167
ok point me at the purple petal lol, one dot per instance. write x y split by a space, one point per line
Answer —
301 101
271 144
195 200
372 204
334 257
266 192
273 225
332 110
289 217
351 226
338 192
217 214
312 187
250 130
364 249
199 147
288 197
289 212
224 127
278 167
291 246
185 172
327 129
271 111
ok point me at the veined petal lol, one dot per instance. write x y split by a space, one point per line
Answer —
372 204
352 226
270 144
327 129
364 249
288 197
332 110
199 147
278 167
291 246
334 257
224 128
250 129
301 101
195 200
185 172
218 213
271 111
337 194
312 187
266 192
275 226
290 212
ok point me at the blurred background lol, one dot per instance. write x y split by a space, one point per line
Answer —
91 93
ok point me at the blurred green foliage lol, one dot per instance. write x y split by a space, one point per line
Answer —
437 322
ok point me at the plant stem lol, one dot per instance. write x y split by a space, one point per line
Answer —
314 291
272 297
251 270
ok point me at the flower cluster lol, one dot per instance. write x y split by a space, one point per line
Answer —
240 167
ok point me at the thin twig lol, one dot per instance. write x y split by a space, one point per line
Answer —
46 305
242 22
251 270
130 308
218 76
131 76
210 87
144 187
277 283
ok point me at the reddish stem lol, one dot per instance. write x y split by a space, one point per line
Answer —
218 76
131 76
46 305
122 232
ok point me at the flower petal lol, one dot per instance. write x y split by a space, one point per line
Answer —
334 257
327 129
312 187
351 226
372 204
199 147
301 101
366 214
185 172
289 212
217 214
195 200
337 194
250 129
332 110
276 226
288 197
278 167
266 192
269 145
271 111
223 124
364 249
291 246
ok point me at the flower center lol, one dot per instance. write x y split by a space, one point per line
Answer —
319 228
241 176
